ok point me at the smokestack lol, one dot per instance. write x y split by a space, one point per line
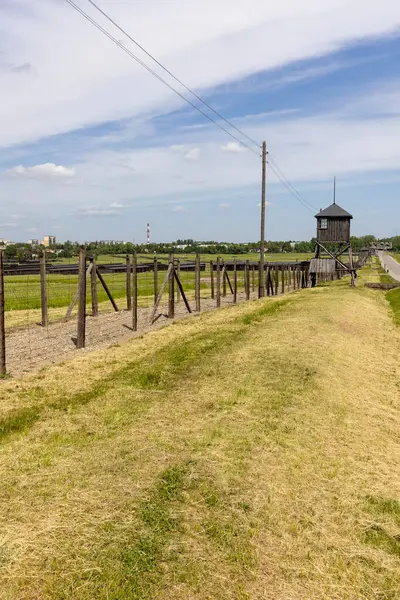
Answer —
148 233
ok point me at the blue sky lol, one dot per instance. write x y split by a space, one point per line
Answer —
93 147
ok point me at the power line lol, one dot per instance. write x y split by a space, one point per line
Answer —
294 194
279 173
187 88
141 63
273 164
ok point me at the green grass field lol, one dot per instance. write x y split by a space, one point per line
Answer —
22 293
249 453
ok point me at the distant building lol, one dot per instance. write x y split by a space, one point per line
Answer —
33 242
4 243
49 240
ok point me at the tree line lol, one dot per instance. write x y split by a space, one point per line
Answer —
69 249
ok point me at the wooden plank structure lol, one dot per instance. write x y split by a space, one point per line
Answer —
333 241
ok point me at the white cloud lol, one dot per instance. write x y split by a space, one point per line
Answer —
224 205
10 225
32 229
96 212
179 209
193 154
116 205
45 171
242 39
234 147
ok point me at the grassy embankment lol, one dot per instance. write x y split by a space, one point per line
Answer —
248 453
393 296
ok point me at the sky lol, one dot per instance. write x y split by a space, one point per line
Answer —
92 146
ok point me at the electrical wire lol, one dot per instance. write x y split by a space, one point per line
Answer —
299 199
141 63
273 164
283 178
288 182
187 88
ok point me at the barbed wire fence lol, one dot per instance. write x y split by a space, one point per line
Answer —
48 309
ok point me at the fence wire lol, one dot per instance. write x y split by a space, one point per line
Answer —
31 343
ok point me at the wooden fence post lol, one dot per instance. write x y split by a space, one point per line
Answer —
197 283
128 283
43 290
224 279
135 293
289 281
283 279
267 279
178 272
235 281
93 286
212 279
155 279
253 279
2 321
247 273
81 334
218 282
171 297
276 281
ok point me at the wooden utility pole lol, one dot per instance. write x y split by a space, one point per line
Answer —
261 289
80 342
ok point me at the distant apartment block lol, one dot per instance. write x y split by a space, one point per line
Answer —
49 240
33 242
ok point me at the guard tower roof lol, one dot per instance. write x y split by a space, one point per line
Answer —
334 211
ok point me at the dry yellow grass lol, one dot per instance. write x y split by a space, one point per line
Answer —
250 453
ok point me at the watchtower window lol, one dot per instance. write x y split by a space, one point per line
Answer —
324 224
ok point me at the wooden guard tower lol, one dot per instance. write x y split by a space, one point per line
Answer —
333 241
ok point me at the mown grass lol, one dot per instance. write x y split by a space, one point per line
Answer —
160 372
393 298
220 458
